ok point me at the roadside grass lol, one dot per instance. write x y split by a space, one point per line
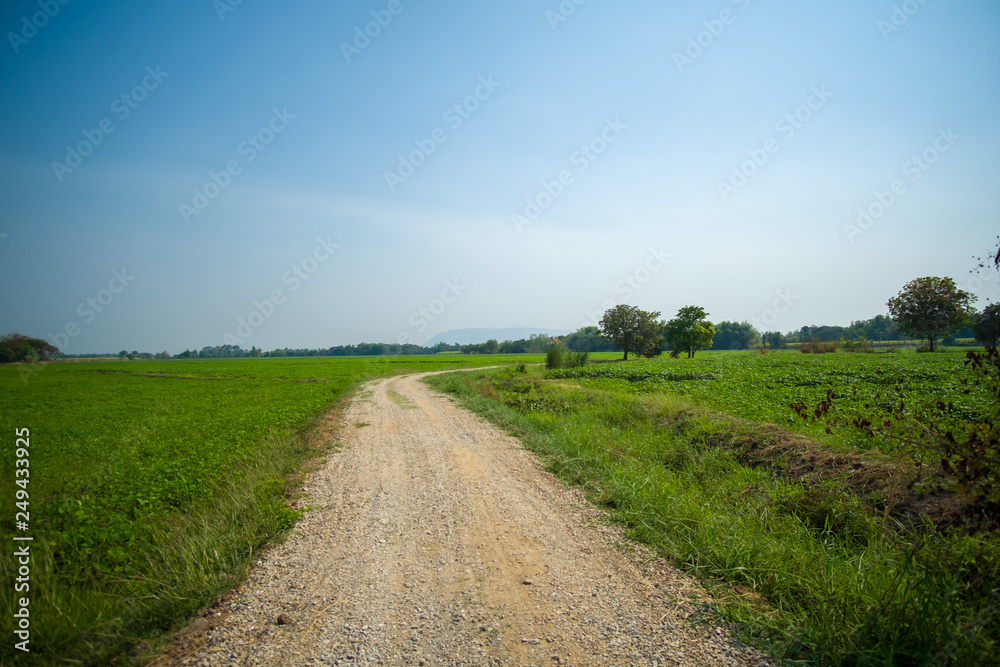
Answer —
154 486
810 571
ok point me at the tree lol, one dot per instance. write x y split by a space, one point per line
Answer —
773 339
538 343
514 346
735 336
931 307
588 339
987 327
690 331
825 333
880 327
18 347
632 330
492 346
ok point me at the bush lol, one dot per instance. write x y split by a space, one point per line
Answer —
862 344
555 357
558 356
814 346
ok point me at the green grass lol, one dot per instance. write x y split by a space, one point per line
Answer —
154 483
833 582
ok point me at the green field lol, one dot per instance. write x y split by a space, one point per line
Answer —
152 484
760 387
813 555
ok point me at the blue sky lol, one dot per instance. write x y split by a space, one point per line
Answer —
275 177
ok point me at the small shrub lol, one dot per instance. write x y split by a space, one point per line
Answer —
555 357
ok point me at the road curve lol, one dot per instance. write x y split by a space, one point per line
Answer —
435 539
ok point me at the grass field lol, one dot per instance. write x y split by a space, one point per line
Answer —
813 567
154 483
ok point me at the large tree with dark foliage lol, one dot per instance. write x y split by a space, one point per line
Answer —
931 307
735 336
690 331
17 347
987 325
633 330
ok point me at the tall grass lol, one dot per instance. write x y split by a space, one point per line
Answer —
832 585
558 356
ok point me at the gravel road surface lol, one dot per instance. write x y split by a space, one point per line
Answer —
435 539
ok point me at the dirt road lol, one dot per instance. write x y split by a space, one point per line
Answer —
437 540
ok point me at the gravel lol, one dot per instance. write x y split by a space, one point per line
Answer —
435 539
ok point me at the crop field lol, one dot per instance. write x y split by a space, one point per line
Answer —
823 555
760 387
153 483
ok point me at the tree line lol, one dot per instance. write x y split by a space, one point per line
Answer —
928 309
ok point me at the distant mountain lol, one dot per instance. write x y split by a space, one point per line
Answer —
476 336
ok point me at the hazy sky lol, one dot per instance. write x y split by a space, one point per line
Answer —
309 174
